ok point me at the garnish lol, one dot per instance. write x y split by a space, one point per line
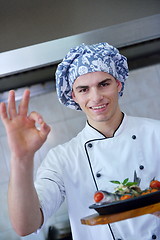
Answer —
126 187
125 182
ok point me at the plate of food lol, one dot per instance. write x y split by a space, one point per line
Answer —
127 196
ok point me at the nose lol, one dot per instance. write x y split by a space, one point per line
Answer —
95 95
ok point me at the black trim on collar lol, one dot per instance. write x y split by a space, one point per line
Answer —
114 131
90 166
92 173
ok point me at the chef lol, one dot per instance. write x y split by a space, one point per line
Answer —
112 146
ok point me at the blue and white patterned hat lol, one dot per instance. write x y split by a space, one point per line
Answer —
85 59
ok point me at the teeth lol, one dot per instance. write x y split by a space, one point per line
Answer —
99 107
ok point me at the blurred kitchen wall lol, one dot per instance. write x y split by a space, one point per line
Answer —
24 23
141 98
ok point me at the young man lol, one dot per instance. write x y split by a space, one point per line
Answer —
112 146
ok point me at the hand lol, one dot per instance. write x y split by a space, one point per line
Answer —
157 214
23 136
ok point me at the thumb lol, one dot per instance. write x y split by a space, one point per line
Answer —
44 130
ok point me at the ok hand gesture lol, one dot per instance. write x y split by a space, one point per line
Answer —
23 136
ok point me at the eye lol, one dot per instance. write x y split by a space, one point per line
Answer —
104 84
83 90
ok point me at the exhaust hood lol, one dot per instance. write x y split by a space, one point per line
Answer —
138 40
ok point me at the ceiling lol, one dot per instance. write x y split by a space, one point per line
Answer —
29 25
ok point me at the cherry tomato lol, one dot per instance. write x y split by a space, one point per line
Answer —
98 196
126 196
155 184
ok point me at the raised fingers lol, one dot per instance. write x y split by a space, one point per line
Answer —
3 112
157 214
11 104
23 107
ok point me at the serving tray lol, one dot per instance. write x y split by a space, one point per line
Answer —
124 209
128 204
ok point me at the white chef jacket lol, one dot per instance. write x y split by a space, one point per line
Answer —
88 162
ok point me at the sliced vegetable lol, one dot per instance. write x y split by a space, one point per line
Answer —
147 191
126 196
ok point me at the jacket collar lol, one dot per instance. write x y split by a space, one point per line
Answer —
91 133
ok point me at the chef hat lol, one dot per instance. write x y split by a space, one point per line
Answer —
86 59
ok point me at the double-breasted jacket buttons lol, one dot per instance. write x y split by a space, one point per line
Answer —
154 236
134 137
141 167
90 145
98 175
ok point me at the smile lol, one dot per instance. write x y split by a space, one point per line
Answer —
98 107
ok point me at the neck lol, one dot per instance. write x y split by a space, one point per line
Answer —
108 128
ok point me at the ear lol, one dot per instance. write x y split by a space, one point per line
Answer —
119 85
73 96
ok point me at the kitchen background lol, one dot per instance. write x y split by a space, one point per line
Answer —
30 24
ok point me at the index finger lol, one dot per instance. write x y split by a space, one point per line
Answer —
12 104
3 112
23 107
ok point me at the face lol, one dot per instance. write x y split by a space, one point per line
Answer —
97 95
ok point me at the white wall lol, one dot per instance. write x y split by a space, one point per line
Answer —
141 98
142 93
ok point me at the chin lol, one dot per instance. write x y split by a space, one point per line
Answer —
100 119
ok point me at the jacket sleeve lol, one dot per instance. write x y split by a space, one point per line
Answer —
49 185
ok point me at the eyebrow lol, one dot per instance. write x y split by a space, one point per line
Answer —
103 81
81 87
